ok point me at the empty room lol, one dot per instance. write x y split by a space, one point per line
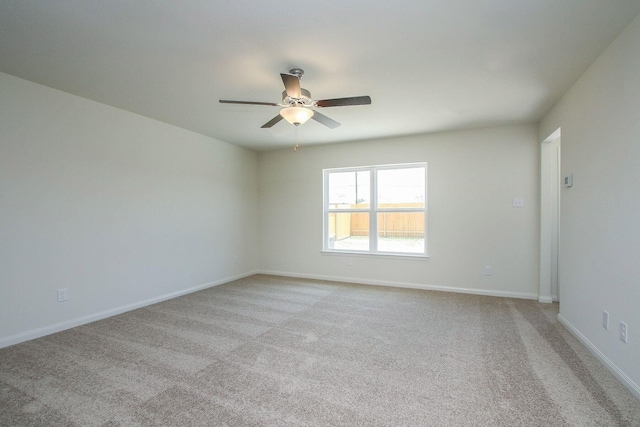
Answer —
319 213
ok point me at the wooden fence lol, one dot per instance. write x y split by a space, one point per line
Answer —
390 224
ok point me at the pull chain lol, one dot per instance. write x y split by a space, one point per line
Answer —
296 138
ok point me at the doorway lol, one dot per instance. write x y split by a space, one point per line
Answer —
550 161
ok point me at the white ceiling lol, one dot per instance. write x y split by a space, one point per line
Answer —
428 65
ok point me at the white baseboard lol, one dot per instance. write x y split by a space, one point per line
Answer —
545 300
72 323
486 292
624 379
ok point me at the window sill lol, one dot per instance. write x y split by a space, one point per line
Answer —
410 257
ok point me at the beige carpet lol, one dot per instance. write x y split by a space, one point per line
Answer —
287 352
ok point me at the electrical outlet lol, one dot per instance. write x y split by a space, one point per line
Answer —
623 332
518 202
62 295
235 259
605 320
488 270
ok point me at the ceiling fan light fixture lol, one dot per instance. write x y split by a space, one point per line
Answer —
296 115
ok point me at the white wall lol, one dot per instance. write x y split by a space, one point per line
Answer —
600 215
472 178
119 209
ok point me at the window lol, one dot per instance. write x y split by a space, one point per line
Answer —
376 209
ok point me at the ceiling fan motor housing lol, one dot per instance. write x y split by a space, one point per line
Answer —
304 100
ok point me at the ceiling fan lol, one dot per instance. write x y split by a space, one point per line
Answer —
298 104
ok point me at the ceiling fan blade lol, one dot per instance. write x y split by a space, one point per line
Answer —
321 118
340 102
272 122
226 101
291 84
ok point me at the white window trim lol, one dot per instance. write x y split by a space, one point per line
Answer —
373 210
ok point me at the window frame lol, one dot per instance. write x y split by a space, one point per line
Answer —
373 210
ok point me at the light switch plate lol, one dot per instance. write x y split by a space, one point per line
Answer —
518 202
